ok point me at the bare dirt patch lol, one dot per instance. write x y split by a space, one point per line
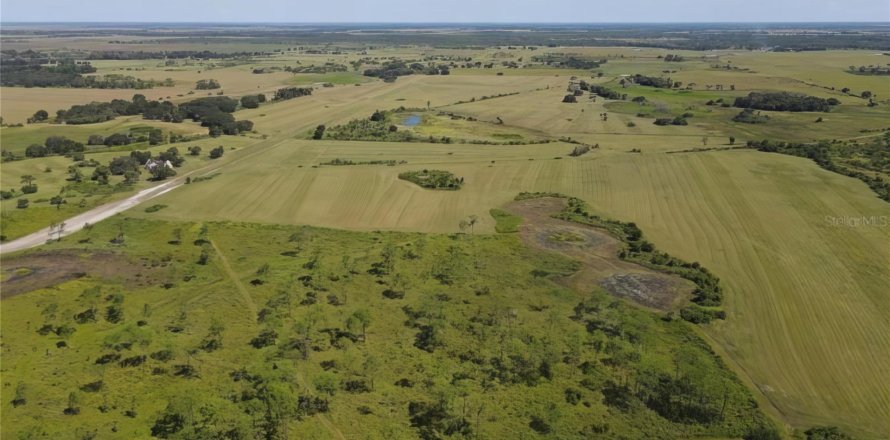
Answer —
597 251
46 269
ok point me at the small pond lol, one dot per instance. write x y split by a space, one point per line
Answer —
411 121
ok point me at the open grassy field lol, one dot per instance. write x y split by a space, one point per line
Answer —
369 355
805 287
712 201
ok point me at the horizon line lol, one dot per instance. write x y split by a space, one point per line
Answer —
886 23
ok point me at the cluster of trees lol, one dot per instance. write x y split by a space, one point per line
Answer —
216 113
605 92
679 120
207 84
433 179
212 112
252 101
673 58
377 127
391 70
785 102
874 69
54 146
104 111
291 92
652 81
66 73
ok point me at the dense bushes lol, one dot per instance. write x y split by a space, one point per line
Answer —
679 120
252 101
749 116
291 92
652 81
207 84
433 179
783 101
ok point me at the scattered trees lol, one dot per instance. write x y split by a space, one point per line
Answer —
207 84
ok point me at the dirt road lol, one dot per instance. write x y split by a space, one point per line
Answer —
92 216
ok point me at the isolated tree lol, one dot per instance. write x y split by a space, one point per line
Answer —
217 152
58 201
19 398
39 116
363 319
319 132
28 180
195 150
732 140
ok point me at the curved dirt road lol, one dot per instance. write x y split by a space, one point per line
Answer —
92 216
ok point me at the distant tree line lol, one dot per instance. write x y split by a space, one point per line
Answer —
172 54
873 69
66 73
391 70
568 62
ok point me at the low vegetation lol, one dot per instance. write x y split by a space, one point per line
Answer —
433 179
321 349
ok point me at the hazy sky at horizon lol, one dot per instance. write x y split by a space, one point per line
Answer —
416 11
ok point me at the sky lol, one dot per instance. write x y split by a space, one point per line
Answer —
452 11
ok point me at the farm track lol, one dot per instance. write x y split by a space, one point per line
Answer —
248 300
